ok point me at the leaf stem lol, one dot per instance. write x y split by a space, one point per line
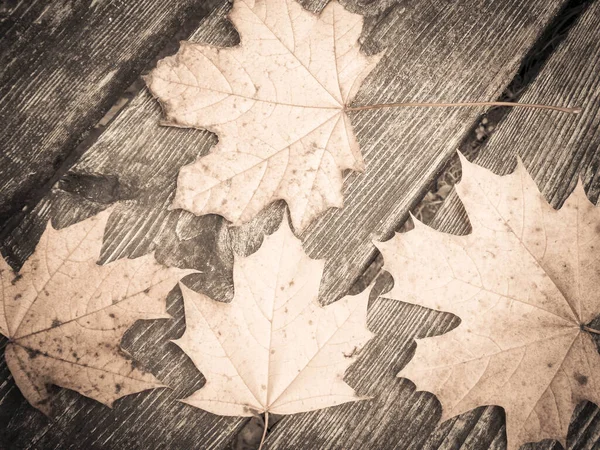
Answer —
264 435
591 330
466 104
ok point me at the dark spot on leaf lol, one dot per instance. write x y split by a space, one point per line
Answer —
74 354
111 315
146 291
32 353
56 323
17 277
18 296
550 365
581 379
118 388
135 364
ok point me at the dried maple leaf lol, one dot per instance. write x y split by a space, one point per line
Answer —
64 315
274 348
277 102
525 286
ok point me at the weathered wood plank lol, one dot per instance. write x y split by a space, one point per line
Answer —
556 149
62 65
130 163
458 51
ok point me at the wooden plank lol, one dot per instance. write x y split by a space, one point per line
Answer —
556 149
129 162
434 51
62 65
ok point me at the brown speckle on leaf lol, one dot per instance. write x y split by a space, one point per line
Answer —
32 353
17 277
581 379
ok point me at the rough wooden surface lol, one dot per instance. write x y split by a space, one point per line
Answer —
442 51
62 65
556 149
113 170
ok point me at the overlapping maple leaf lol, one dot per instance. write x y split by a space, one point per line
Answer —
525 286
278 103
274 348
65 315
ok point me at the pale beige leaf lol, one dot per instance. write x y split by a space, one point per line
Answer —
274 348
523 283
277 102
65 315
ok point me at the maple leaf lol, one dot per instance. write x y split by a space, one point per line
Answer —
64 315
278 103
274 348
525 286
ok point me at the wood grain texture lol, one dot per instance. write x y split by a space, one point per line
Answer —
555 148
446 51
570 149
558 151
130 164
433 52
62 65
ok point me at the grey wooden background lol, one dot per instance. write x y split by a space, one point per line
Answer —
63 63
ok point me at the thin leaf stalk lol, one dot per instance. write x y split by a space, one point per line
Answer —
574 110
264 435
